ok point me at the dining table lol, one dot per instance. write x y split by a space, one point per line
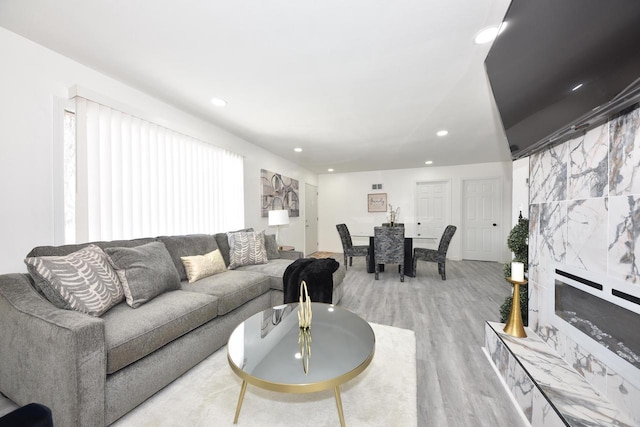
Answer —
411 233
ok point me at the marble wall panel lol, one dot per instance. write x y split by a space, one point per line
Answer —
624 154
552 240
534 242
554 339
624 395
587 365
624 233
498 351
588 164
533 293
543 414
585 211
587 234
521 387
548 175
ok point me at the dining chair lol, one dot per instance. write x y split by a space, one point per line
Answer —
348 248
439 256
388 248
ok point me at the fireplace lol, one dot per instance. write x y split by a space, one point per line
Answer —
602 315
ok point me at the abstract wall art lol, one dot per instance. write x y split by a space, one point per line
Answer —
279 192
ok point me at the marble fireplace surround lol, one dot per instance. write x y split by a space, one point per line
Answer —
584 212
602 299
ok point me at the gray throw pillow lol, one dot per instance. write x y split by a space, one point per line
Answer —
246 248
83 281
272 246
145 272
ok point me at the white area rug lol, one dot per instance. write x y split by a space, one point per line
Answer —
383 395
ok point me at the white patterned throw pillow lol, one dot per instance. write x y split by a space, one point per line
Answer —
246 248
83 281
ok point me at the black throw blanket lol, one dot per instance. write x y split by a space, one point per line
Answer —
317 273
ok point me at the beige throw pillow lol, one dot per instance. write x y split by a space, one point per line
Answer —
201 266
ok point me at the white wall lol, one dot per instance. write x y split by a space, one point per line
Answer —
32 78
292 234
343 199
520 190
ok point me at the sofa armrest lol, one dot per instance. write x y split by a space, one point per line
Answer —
290 254
51 356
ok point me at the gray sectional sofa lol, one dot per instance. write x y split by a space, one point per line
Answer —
92 370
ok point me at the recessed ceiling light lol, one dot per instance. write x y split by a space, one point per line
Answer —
428 162
297 150
576 87
329 170
487 35
442 132
218 102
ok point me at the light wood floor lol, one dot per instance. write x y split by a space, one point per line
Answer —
456 384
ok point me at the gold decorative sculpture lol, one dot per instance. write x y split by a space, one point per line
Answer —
514 326
304 310
304 320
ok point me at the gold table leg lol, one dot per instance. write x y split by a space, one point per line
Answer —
339 404
240 399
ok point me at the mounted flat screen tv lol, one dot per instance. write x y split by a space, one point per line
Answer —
562 67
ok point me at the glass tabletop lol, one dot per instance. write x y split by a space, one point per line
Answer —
265 349
411 231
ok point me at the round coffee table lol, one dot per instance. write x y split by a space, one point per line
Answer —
269 350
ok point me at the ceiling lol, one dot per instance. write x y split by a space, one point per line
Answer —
358 85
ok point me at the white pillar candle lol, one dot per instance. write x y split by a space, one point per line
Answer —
517 271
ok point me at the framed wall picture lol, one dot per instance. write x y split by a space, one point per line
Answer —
278 192
377 202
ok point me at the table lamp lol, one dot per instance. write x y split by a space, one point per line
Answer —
278 217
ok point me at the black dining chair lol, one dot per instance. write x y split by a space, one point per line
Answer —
348 248
439 256
388 248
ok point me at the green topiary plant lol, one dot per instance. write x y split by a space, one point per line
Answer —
518 242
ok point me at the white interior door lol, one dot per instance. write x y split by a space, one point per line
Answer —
310 219
432 216
482 199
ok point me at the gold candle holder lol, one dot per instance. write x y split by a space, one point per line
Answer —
514 326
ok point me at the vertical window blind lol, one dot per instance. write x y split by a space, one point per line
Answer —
139 179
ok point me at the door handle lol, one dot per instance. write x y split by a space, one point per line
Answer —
495 225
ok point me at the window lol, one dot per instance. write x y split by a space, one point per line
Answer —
134 178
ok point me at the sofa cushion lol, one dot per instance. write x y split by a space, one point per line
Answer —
272 246
223 244
201 266
188 245
246 248
67 249
145 272
132 334
231 288
274 269
83 280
